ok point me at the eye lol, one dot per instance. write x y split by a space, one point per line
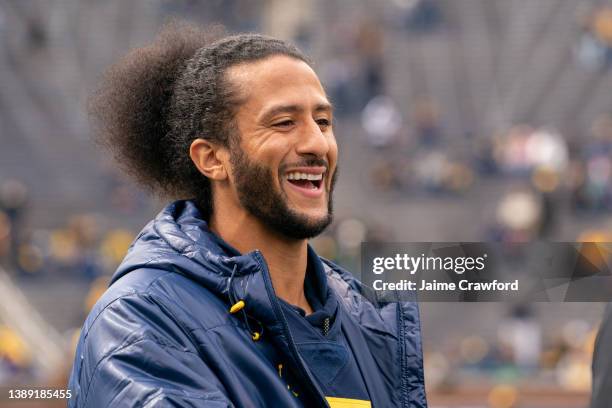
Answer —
284 123
323 122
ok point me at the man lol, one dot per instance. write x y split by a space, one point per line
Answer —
601 392
220 302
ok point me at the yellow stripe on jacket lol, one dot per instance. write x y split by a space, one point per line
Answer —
335 402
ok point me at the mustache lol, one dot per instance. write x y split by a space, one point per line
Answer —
310 162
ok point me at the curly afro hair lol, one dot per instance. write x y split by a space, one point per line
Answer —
155 101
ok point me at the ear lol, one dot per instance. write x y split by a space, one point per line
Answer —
209 158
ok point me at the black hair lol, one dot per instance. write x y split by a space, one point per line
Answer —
155 101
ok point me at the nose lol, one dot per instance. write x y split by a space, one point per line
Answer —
314 141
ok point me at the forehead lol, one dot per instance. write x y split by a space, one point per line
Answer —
277 79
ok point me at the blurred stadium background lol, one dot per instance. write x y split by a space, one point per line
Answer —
458 120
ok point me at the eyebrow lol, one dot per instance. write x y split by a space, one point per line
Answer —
276 110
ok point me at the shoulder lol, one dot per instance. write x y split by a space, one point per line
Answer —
152 304
342 282
360 303
142 328
147 315
350 290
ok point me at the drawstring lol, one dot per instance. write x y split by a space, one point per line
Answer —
280 375
229 289
238 306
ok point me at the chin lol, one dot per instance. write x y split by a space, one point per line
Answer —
313 216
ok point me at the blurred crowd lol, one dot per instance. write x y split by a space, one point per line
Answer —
545 172
15 358
82 248
594 49
520 357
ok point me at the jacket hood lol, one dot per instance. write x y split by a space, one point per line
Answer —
179 240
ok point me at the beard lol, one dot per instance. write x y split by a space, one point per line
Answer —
256 193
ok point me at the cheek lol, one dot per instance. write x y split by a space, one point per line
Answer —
273 163
276 154
269 153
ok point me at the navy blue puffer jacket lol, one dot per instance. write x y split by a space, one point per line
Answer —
162 336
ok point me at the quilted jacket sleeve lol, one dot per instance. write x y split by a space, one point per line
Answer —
133 353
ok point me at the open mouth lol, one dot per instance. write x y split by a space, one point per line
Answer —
305 180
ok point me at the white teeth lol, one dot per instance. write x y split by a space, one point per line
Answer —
303 176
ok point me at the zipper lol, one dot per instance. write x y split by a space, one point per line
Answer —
285 326
402 349
326 326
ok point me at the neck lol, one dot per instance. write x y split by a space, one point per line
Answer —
286 258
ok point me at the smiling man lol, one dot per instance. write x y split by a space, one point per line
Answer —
220 301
